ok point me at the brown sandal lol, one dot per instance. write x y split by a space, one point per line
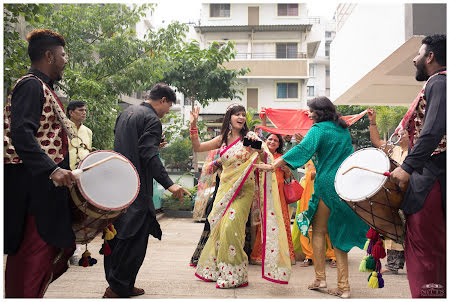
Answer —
317 284
339 293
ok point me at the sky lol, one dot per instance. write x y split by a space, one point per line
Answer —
189 11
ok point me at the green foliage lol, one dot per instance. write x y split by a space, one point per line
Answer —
171 203
251 121
105 57
177 154
199 74
15 55
175 126
388 118
359 131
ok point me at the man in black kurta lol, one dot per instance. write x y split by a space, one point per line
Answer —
425 168
38 236
138 133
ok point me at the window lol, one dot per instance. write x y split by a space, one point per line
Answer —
286 50
327 72
327 50
285 10
328 34
310 90
287 90
312 70
219 10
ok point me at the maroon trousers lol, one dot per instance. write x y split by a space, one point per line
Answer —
425 251
35 265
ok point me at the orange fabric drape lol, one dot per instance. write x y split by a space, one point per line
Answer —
292 121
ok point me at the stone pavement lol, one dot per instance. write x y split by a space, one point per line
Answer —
166 274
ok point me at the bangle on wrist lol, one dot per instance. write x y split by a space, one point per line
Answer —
57 168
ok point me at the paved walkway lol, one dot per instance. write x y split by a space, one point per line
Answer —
166 274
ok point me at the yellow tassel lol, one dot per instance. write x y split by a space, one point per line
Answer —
362 265
366 245
373 280
108 234
86 254
113 230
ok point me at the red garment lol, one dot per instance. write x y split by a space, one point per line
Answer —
425 251
292 121
30 271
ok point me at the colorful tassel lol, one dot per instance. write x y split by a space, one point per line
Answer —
380 280
362 265
370 263
367 244
378 251
106 249
372 234
111 227
377 265
369 247
86 259
373 280
108 234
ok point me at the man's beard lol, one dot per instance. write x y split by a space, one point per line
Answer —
421 74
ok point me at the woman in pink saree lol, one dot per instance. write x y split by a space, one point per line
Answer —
223 259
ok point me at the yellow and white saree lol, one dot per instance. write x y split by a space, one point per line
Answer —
223 258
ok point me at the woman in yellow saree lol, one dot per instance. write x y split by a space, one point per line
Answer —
223 259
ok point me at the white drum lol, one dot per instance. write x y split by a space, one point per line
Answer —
102 193
372 196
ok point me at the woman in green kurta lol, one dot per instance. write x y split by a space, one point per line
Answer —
328 143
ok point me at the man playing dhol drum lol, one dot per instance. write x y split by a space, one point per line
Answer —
395 253
425 168
38 232
138 133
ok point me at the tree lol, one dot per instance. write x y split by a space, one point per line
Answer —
251 122
199 74
105 57
15 56
388 118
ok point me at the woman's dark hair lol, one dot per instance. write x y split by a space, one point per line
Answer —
281 142
74 105
227 120
41 40
326 111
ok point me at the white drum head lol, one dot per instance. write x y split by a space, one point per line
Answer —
112 185
357 184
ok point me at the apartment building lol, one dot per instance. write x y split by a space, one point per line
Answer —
285 49
374 47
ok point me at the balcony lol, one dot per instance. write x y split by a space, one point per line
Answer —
268 55
272 68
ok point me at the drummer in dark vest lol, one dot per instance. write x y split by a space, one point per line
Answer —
422 174
38 232
138 133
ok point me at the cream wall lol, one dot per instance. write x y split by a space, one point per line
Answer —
358 48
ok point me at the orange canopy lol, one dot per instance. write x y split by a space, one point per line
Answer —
291 121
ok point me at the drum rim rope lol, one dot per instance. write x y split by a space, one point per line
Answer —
98 205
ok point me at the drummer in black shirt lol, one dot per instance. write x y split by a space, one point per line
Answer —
425 168
38 232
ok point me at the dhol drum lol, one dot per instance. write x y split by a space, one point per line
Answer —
362 181
102 193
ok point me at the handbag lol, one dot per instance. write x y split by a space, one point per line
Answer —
292 190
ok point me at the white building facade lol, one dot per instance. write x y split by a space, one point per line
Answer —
285 49
372 53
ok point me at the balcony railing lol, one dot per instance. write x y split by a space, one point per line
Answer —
269 55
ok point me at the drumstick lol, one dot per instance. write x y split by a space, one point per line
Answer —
362 168
77 172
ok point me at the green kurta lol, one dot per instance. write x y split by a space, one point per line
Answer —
328 145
